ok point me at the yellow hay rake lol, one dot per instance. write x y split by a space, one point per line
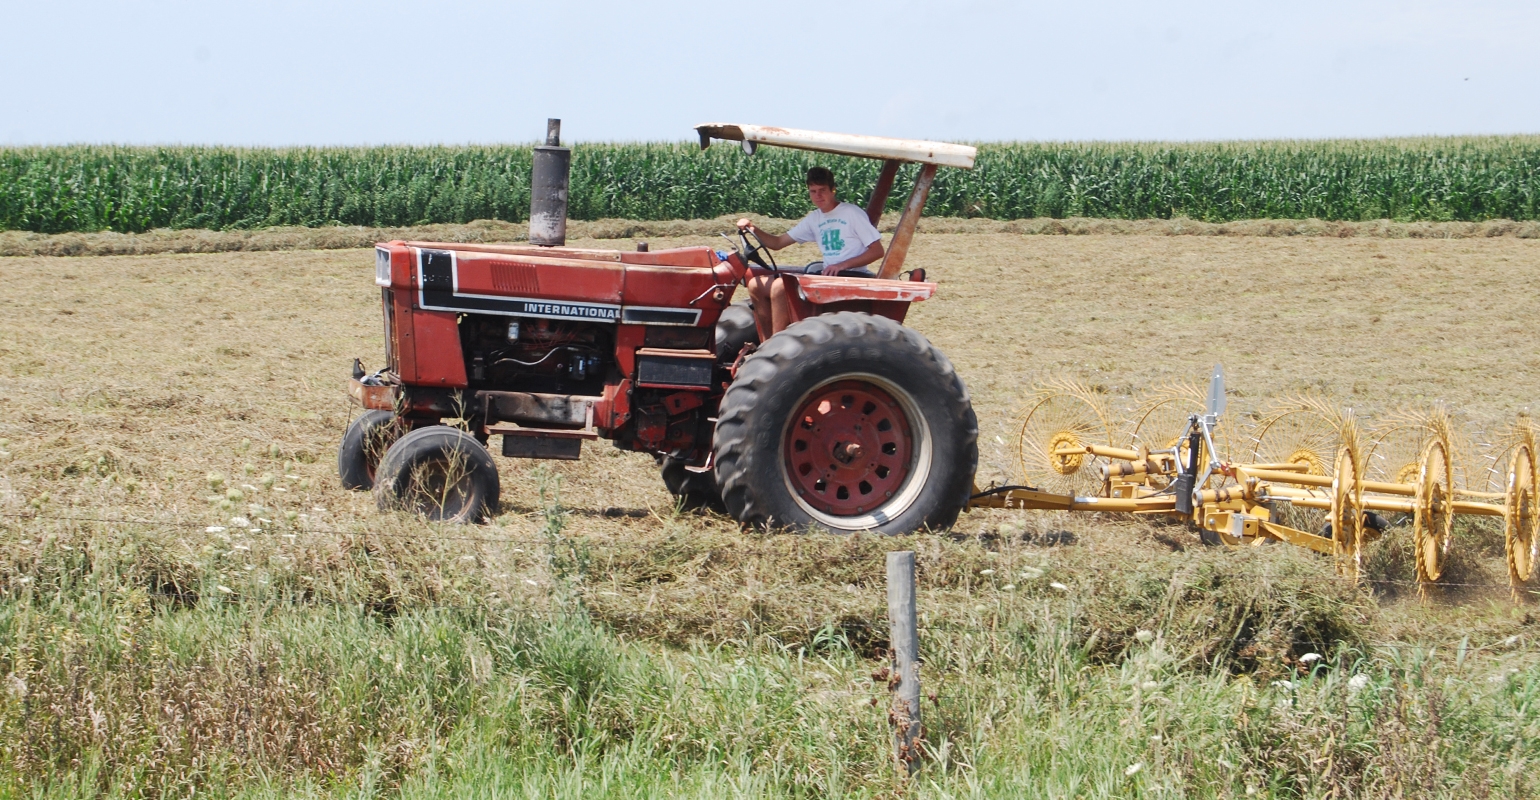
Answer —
1302 464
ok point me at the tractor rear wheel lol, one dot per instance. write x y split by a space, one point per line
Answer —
847 422
363 445
440 472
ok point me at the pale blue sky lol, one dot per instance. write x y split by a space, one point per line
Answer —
284 72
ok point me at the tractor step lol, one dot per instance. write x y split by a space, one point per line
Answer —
549 443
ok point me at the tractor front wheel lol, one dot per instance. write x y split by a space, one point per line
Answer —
692 490
364 443
440 472
735 328
847 422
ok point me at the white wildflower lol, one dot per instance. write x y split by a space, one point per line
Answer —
214 529
1357 683
1059 586
1133 769
225 589
1009 587
1309 658
1149 686
1031 573
986 572
1144 637
1284 685
240 522
530 582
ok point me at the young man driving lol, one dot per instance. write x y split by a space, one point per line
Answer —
845 237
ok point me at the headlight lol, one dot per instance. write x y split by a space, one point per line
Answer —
381 266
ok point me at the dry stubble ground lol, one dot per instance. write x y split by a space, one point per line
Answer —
124 381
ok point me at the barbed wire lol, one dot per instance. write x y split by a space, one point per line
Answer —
287 529
299 530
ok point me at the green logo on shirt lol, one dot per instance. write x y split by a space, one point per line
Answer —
831 241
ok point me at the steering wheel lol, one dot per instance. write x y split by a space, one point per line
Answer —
751 254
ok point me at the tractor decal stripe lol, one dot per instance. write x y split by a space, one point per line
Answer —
518 306
439 290
439 281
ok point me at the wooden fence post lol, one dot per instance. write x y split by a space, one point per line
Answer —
904 681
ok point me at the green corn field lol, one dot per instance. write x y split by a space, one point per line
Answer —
133 189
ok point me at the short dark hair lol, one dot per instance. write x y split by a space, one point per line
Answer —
820 176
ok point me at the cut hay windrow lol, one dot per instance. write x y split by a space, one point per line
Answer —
135 189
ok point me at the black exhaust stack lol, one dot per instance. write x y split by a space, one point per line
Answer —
548 189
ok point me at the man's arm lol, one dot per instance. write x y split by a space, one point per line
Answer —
774 241
872 253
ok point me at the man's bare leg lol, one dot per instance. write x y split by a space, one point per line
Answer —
760 295
780 307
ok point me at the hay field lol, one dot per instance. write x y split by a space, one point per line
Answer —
703 659
168 361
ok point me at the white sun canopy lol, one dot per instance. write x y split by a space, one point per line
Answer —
846 144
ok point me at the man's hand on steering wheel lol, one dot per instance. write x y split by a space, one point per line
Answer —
751 253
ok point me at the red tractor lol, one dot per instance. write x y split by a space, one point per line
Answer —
844 421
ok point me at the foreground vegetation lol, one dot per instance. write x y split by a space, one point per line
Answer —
134 189
189 603
377 660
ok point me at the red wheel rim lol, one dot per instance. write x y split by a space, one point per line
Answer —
848 448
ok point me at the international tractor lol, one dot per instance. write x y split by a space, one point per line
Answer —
844 421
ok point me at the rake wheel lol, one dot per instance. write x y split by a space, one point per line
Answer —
1485 474
1063 415
1160 422
1433 520
1520 541
1347 502
1304 431
1395 448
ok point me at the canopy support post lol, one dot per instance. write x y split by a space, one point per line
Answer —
898 249
880 192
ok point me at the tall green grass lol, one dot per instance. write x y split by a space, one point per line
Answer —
132 189
277 681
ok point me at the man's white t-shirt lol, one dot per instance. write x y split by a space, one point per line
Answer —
842 234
